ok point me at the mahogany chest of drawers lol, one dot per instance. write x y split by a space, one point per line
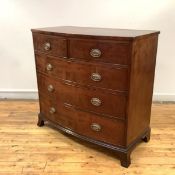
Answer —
97 84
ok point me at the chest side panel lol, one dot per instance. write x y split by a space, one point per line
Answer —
141 86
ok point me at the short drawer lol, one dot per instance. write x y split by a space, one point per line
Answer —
109 77
93 100
51 45
115 52
84 123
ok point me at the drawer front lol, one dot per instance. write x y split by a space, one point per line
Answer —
101 51
84 123
87 99
109 77
51 45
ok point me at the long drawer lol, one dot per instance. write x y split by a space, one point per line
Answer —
99 75
91 125
88 99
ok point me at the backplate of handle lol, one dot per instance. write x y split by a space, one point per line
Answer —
96 77
52 110
47 46
95 101
49 67
95 53
50 88
95 127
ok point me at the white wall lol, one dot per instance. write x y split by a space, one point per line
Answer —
17 17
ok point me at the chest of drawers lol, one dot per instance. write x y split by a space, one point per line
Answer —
97 84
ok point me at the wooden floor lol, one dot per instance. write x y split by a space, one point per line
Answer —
30 150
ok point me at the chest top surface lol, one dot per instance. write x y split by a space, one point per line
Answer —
128 34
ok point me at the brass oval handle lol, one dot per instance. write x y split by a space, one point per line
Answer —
96 53
49 67
96 101
50 88
47 46
52 110
95 127
95 76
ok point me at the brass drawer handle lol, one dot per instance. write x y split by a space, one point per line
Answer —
95 76
95 127
49 67
96 53
52 110
96 101
47 46
50 88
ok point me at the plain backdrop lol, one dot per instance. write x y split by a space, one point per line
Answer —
17 17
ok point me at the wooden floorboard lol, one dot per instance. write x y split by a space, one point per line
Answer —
29 150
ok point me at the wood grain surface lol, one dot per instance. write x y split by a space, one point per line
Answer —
58 45
80 72
80 97
29 150
141 86
111 52
135 50
91 32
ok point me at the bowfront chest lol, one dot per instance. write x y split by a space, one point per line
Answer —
97 84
